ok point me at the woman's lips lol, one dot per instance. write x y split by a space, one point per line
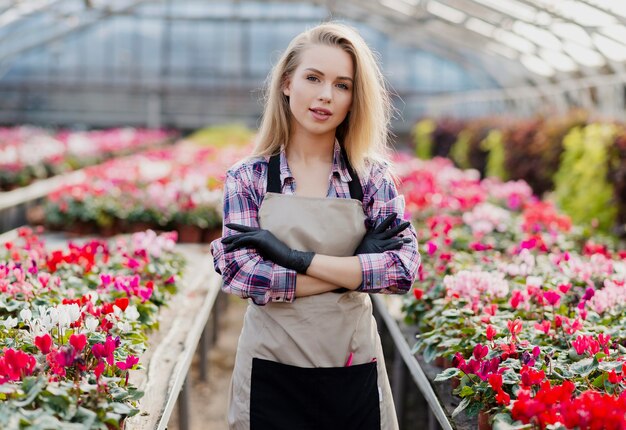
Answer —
320 114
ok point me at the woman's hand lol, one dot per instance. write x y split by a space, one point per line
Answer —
381 238
268 246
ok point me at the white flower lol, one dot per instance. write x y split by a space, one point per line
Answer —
132 313
67 314
91 323
10 322
26 314
53 313
124 326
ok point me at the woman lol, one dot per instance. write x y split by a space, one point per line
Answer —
314 212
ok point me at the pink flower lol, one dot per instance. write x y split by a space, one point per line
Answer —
564 288
491 332
543 326
105 350
431 247
515 327
131 360
552 297
99 369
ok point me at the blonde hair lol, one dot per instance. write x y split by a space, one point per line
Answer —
364 131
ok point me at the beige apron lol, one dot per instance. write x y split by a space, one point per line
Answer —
315 331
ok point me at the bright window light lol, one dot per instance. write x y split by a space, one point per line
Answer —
400 6
538 35
502 50
514 41
617 7
610 48
581 13
537 65
558 60
617 32
479 26
583 55
511 7
446 12
572 32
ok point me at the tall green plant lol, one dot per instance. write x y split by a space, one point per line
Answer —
423 132
581 186
460 150
494 144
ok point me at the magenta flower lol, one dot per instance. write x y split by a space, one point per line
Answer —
131 360
480 351
552 297
105 350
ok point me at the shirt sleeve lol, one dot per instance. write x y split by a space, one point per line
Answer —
244 272
390 272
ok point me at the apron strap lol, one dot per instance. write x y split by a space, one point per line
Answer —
274 185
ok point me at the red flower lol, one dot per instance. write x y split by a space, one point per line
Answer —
78 341
15 364
614 378
43 343
515 327
495 380
531 376
418 293
491 332
503 398
480 352
122 303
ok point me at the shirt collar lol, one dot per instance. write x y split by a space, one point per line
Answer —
339 165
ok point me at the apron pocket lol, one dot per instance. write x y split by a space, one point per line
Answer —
290 397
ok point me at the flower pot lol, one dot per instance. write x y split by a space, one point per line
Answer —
189 233
139 226
210 234
440 361
110 230
483 421
455 382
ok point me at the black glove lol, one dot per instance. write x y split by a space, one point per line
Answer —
380 239
268 246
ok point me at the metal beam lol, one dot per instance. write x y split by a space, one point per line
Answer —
106 13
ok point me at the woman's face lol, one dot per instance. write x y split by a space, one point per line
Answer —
320 90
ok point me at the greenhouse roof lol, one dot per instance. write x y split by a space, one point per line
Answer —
552 39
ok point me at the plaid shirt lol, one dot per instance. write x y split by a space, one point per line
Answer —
246 274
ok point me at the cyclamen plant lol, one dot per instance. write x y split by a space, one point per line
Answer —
74 325
531 316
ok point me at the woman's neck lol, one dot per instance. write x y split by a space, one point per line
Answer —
314 149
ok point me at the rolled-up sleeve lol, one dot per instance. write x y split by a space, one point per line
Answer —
390 272
244 272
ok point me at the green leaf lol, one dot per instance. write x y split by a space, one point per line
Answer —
462 406
466 391
430 353
33 391
120 408
585 366
599 381
447 374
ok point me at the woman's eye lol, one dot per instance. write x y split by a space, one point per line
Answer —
312 78
344 86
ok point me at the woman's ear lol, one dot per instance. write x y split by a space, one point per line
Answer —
286 86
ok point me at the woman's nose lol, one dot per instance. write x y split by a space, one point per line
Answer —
326 93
